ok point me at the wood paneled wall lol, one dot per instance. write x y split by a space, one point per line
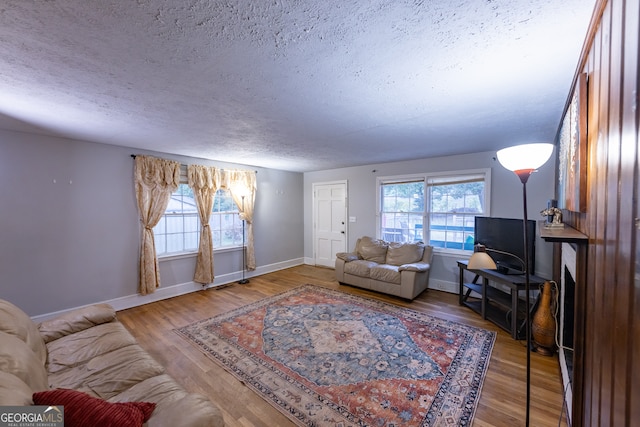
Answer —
607 356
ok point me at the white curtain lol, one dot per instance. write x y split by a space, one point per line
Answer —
155 180
242 185
205 181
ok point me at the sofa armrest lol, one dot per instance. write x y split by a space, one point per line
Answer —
76 321
416 266
193 410
347 256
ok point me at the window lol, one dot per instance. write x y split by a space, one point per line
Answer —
226 225
436 208
453 203
402 210
179 228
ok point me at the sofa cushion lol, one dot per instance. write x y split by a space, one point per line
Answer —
404 253
175 406
359 267
16 322
109 373
159 389
14 391
81 410
17 358
76 349
75 321
385 273
371 249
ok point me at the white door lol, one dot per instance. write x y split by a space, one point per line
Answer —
330 221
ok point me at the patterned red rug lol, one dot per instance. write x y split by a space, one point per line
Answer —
326 358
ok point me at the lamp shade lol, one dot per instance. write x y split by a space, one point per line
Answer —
525 157
481 261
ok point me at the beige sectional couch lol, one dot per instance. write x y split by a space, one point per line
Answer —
88 350
400 269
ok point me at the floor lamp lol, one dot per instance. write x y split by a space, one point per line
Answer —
523 160
244 249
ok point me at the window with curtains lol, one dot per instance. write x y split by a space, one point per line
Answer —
178 231
226 225
436 208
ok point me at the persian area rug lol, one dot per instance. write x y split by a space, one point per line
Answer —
326 358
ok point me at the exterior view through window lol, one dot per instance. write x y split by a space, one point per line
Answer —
179 229
438 209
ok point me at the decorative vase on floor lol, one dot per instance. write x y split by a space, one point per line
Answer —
543 325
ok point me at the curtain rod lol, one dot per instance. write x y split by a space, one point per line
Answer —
134 156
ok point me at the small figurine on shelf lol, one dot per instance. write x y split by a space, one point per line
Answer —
556 222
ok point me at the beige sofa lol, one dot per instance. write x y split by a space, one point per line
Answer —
400 269
88 350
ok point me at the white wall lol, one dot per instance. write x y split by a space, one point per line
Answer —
506 201
69 228
75 241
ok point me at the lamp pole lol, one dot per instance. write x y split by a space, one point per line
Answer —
244 250
524 176
524 160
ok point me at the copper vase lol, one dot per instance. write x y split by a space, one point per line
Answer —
543 325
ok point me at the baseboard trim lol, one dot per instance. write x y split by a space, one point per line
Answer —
444 285
136 300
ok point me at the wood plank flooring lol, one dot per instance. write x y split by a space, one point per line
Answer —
502 401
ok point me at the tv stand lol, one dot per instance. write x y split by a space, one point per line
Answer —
495 304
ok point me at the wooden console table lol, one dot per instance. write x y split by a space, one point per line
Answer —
496 305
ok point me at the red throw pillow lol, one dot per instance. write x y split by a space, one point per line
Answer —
81 410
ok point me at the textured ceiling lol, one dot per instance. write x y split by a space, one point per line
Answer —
296 85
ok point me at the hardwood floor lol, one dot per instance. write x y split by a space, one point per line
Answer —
502 400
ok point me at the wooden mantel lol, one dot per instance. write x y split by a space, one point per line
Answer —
564 234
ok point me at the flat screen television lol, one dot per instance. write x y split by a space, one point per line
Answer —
507 235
